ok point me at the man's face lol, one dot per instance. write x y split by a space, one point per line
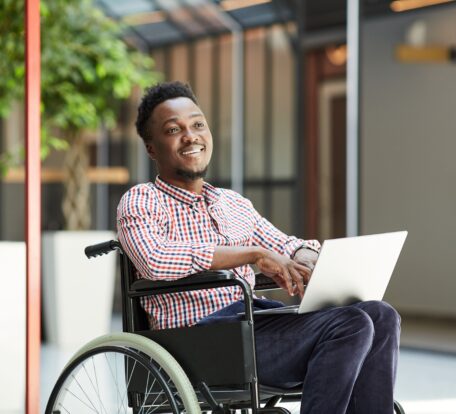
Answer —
181 142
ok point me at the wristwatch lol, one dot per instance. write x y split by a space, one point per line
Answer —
304 247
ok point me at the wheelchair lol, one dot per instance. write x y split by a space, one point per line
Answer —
191 370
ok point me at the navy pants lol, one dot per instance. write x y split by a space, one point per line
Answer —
345 357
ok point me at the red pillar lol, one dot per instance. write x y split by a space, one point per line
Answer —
33 204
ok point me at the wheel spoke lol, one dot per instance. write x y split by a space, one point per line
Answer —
61 406
145 394
88 384
125 393
97 391
96 378
83 402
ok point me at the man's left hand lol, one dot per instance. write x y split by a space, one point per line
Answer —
306 257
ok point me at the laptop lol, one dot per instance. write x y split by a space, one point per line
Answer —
348 270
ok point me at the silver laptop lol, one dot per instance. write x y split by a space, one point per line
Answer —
348 270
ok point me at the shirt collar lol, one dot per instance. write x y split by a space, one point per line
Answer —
210 194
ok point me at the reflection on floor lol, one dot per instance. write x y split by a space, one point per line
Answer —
426 381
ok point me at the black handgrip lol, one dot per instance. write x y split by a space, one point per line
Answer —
102 248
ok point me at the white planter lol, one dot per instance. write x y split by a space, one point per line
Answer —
77 292
12 327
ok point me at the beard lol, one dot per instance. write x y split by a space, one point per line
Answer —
192 175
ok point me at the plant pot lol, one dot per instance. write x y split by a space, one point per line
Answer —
77 292
12 323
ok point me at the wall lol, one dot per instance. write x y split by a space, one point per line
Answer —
407 159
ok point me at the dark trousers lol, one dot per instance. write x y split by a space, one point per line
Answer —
345 357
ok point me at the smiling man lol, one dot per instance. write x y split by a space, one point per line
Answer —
344 357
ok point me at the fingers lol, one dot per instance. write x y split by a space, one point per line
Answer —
304 270
279 281
297 281
286 277
294 279
288 274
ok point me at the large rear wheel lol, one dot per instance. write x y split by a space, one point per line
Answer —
123 373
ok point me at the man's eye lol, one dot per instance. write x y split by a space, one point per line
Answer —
172 130
199 124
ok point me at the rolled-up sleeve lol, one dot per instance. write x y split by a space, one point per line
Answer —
143 233
270 237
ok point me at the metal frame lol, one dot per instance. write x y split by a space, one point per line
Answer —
353 109
300 201
33 204
133 289
237 100
215 100
267 119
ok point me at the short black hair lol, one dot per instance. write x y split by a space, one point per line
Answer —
154 96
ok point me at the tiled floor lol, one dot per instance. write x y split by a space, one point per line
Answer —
426 382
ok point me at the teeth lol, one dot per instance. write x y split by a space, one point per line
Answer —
192 152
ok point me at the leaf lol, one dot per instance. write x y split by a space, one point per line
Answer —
86 68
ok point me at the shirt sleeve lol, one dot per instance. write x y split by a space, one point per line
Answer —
270 237
142 228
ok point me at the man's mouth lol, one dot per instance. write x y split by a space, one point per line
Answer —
193 150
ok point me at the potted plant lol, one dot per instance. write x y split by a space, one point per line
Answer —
87 69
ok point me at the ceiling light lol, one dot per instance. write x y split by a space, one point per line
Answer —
425 54
404 5
337 55
240 4
144 18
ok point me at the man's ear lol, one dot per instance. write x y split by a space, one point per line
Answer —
150 150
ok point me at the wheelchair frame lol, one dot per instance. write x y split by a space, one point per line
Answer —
224 374
213 365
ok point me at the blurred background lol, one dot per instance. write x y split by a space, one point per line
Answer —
272 79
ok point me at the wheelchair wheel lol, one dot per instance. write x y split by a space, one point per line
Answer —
123 373
398 408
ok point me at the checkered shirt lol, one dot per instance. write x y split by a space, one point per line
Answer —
170 233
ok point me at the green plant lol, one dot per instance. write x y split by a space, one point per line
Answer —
86 69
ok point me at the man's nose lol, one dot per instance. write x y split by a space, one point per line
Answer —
189 135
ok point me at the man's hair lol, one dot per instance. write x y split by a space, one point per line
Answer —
154 96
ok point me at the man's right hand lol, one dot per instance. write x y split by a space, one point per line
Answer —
288 274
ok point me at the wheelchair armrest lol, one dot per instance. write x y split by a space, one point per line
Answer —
197 281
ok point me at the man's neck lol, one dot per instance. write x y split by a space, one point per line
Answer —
195 186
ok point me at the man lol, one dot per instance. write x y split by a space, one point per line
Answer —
345 357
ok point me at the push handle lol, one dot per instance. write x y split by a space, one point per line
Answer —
102 248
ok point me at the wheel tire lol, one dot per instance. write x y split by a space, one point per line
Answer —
398 409
120 360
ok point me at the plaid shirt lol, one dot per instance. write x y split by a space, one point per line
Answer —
170 233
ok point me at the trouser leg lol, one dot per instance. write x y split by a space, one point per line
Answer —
373 391
325 350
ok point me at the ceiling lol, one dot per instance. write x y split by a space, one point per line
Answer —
154 23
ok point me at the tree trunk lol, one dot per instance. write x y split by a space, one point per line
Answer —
76 197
